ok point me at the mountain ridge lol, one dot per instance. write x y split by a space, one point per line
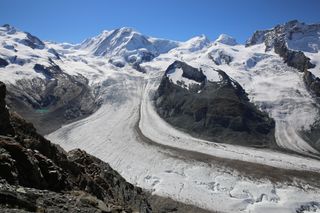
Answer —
108 100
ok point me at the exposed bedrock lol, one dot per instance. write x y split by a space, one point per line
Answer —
218 111
57 99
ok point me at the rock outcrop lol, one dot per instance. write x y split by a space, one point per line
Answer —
295 59
282 39
5 126
3 63
57 99
312 82
39 176
219 111
219 57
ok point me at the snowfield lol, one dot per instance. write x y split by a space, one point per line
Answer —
127 132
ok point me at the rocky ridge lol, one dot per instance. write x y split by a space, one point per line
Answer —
281 38
47 96
219 111
37 175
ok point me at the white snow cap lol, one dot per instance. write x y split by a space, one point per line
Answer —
226 39
196 43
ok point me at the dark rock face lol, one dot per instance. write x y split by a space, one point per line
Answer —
48 72
3 63
278 38
22 199
10 29
218 111
286 32
188 71
33 42
54 52
312 82
119 64
295 59
51 102
5 126
73 179
220 57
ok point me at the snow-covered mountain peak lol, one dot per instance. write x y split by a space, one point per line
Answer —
10 35
126 45
184 75
8 28
226 39
297 35
198 42
128 30
194 44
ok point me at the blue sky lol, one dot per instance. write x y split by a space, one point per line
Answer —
75 20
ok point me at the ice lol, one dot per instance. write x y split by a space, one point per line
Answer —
128 133
175 75
226 39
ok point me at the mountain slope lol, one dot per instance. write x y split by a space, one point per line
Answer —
298 44
211 105
272 85
40 88
127 132
125 45
29 160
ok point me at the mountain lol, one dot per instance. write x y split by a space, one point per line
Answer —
298 44
126 45
211 105
298 36
39 87
194 44
63 83
36 174
226 39
219 125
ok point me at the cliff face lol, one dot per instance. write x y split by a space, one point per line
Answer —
219 111
5 127
37 175
281 38
58 99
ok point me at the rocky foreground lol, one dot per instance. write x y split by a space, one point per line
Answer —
38 176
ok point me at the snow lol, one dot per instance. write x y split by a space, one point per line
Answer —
271 85
165 172
175 75
194 44
126 43
315 59
158 130
206 185
306 39
128 133
226 39
211 73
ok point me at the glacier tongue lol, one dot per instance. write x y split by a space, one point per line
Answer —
128 133
157 157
